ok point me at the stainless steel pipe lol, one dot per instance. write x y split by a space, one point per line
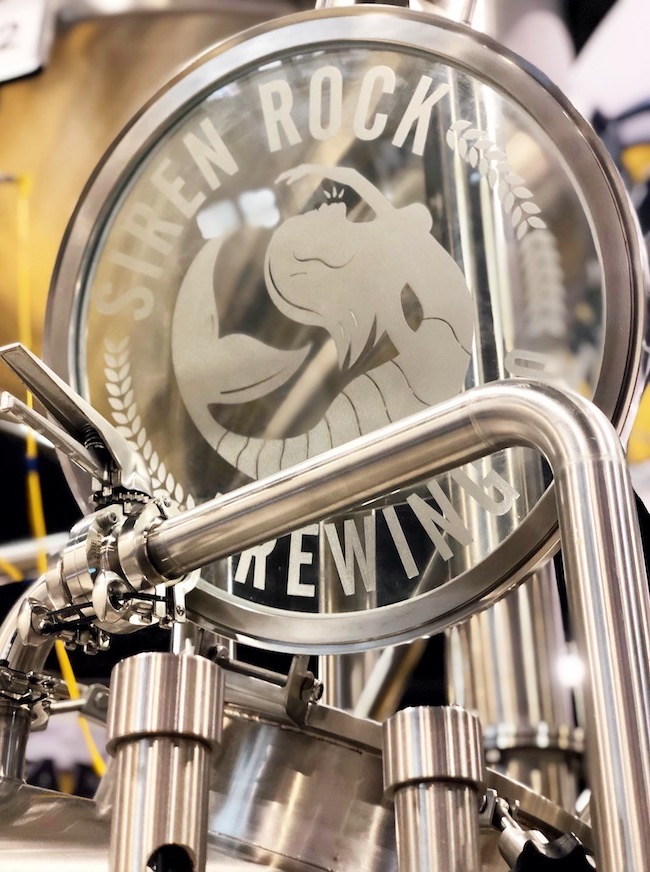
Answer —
164 719
14 732
15 720
433 766
504 665
608 593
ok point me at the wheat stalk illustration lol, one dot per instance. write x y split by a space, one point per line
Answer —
124 411
477 149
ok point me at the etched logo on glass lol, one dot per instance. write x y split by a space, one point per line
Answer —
394 303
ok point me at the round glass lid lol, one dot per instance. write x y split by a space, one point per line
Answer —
315 231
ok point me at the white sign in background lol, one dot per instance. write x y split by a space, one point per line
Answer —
26 30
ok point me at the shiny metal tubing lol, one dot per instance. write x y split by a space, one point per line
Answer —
433 765
14 732
18 655
607 583
165 717
504 665
15 721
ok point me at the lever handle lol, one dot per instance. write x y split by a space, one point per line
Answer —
17 412
118 463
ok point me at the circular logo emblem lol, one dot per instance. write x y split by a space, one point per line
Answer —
318 244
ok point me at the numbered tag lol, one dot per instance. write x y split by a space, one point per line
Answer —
26 28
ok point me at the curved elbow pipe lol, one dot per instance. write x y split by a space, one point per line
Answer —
17 654
606 579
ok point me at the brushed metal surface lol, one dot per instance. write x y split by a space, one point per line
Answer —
282 798
433 763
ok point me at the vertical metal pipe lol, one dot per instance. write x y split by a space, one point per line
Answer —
15 721
606 578
503 664
14 732
164 720
344 676
433 765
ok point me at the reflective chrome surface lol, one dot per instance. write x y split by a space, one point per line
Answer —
607 583
283 797
15 719
505 664
14 732
433 766
164 720
194 335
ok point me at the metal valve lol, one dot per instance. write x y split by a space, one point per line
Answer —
566 854
102 582
75 428
529 850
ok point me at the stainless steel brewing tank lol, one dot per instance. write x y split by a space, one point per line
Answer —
207 337
282 797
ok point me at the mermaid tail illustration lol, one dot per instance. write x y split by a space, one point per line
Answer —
374 285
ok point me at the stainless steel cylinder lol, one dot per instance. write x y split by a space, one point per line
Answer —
164 720
14 732
433 764
504 664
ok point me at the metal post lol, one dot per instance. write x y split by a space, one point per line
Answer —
344 676
164 719
433 764
15 718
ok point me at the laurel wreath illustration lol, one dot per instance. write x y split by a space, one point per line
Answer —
543 277
124 411
476 148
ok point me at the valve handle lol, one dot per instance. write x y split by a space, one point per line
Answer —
101 448
566 854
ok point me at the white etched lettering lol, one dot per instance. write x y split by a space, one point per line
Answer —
109 303
434 522
135 264
259 556
299 558
403 550
142 222
209 153
418 112
354 552
368 124
325 123
276 99
171 187
480 491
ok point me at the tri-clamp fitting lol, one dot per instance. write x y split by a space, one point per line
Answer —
103 582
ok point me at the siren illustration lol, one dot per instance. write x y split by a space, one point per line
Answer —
396 307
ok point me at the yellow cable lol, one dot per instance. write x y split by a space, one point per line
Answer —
11 571
34 491
69 677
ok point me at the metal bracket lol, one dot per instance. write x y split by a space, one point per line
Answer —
92 704
302 689
29 689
